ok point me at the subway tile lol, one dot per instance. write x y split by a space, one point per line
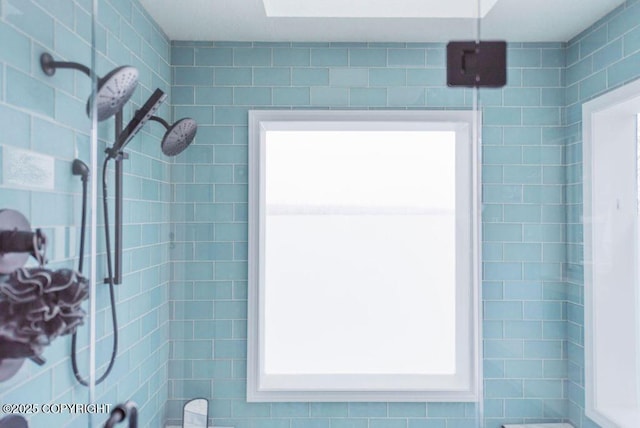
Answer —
387 77
211 95
426 77
593 41
543 310
613 51
503 310
204 369
521 96
494 155
310 423
230 270
501 193
552 58
329 56
251 56
230 115
542 77
329 409
527 408
492 174
445 409
522 174
370 57
368 97
523 329
502 116
350 423
522 213
16 126
289 409
213 173
493 330
543 194
541 116
182 95
291 56
213 251
623 70
240 408
310 76
29 93
406 97
543 349
554 330
193 76
427 423
272 76
15 48
503 388
386 422
368 409
32 20
219 135
502 232
226 154
329 97
255 96
291 96
406 57
348 77
233 76
407 410
623 21
522 252
213 56
523 369
202 114
446 97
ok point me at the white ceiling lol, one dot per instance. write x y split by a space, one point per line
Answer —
246 20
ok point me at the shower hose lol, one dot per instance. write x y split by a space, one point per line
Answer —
109 278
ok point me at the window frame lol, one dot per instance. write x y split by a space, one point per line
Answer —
461 387
611 270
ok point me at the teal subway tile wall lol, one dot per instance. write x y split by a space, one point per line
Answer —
523 145
182 305
46 116
601 58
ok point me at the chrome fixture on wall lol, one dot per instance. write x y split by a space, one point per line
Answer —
177 138
113 91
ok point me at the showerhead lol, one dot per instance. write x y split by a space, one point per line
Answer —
138 121
114 89
179 136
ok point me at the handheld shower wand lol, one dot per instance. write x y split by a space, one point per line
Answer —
137 122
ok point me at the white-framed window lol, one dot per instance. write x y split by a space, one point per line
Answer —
611 203
363 256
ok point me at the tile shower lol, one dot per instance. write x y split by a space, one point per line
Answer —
182 305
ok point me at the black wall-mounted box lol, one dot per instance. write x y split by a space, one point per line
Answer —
477 64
